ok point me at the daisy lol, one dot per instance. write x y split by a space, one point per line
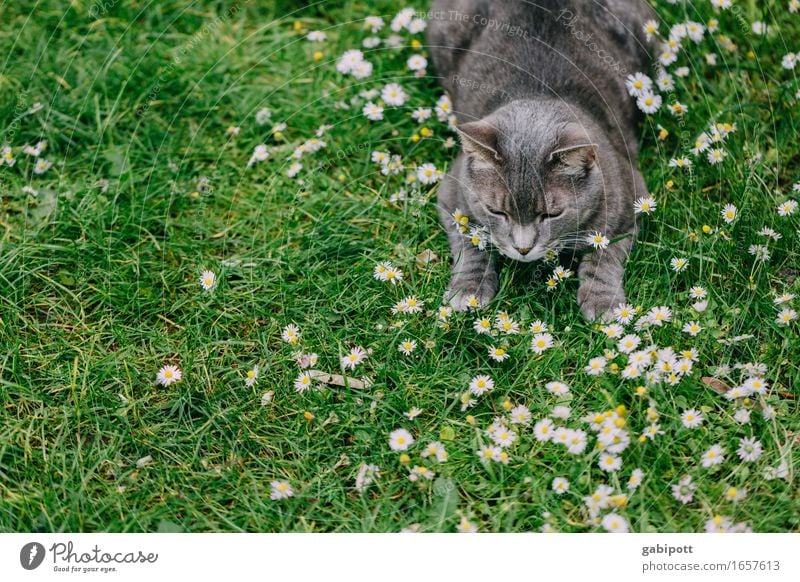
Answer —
302 382
624 313
394 95
483 325
479 385
487 453
520 415
560 485
638 84
372 111
291 334
692 328
499 353
366 476
428 174
260 153
760 252
400 440
680 163
561 412
683 491
304 360
635 479
645 205
649 102
541 342
386 271
749 449
207 280
729 213
407 346
168 374
41 166
466 526
293 169
558 388
679 264
353 358
609 463
543 430
538 327
422 114
435 449
787 208
408 305
783 298
374 23
716 156
650 29
786 316
251 377
420 472
413 413
576 442
629 343
613 330
677 109
597 240
742 416
349 60
596 366
713 456
697 292
615 523
280 490
316 36
417 63
659 315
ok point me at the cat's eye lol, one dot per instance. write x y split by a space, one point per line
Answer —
497 213
549 215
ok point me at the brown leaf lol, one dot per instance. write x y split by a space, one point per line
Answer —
427 257
717 385
338 380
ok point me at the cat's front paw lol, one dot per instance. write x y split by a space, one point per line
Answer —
468 293
599 306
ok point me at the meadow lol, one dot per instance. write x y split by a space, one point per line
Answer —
201 332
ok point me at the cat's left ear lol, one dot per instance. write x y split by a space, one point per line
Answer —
579 157
480 138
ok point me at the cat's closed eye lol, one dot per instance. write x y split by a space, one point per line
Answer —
552 214
497 213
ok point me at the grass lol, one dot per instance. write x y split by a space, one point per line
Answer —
99 286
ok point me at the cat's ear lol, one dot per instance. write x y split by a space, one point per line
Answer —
579 157
479 138
575 151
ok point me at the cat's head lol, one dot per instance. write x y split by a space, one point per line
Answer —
532 175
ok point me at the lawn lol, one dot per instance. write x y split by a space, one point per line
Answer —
150 111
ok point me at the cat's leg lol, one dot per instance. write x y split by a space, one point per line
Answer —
473 271
600 279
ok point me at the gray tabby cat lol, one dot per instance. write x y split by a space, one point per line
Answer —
548 132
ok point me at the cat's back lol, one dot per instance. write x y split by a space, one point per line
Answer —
511 48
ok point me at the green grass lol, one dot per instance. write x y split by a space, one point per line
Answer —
99 287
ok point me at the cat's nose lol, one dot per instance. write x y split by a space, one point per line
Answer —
523 251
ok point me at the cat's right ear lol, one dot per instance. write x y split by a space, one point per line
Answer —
479 138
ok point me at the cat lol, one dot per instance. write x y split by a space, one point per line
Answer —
548 137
